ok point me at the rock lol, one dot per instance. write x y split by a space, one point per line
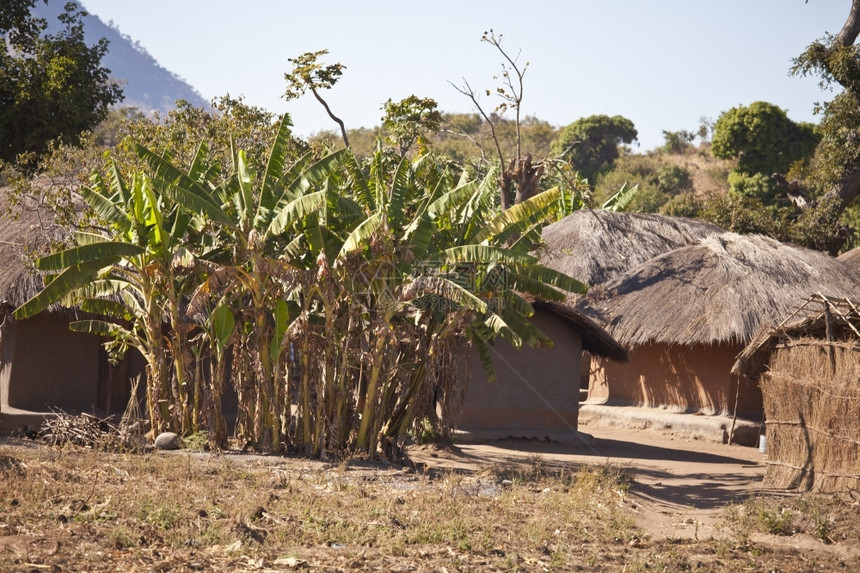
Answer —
167 441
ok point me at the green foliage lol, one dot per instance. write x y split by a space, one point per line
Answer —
231 124
762 138
678 141
228 125
309 74
673 179
621 200
741 214
109 132
408 120
591 144
756 186
832 62
656 180
839 149
338 261
776 522
51 86
822 228
685 204
18 22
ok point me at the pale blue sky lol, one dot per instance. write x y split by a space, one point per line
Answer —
663 64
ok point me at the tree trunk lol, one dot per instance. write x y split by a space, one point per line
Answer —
526 176
505 189
845 190
848 35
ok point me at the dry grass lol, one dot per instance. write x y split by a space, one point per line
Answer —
68 508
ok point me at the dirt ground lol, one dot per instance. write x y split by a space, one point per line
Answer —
680 484
680 491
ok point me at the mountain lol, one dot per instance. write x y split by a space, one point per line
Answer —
146 84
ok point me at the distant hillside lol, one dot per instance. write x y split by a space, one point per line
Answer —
145 84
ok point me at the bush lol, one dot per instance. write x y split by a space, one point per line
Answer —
658 182
674 179
683 205
758 186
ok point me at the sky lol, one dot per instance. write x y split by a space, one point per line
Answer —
663 64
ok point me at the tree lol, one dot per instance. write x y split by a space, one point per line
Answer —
677 141
51 86
518 174
836 59
591 144
406 121
309 74
762 138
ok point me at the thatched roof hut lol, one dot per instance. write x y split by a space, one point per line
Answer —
685 315
595 246
595 339
537 390
720 290
43 365
820 317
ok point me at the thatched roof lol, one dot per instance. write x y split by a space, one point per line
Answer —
720 290
18 238
851 259
595 339
595 246
820 317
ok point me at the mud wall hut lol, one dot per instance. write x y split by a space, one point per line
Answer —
536 390
810 368
596 246
685 315
45 367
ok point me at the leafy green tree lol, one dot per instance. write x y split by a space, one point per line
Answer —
825 188
51 86
836 60
591 144
310 74
678 141
656 181
18 22
406 121
762 138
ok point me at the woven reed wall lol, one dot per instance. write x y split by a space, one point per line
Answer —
812 411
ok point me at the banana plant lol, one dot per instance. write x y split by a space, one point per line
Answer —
127 276
256 264
339 289
428 238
